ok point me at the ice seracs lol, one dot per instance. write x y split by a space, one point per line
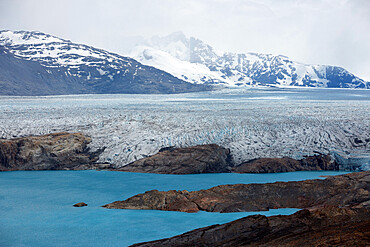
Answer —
253 123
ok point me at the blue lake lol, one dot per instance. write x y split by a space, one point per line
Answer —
36 206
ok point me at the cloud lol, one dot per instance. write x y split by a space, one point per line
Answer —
312 31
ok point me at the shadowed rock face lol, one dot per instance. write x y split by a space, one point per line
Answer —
47 152
272 165
335 191
327 226
209 158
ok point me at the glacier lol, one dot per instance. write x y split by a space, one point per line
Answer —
253 123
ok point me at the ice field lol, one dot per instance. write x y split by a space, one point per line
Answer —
251 122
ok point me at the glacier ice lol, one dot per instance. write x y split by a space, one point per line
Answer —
252 123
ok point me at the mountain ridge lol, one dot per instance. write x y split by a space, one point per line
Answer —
238 69
35 63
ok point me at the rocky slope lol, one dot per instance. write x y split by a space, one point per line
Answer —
272 165
327 226
341 190
209 158
35 63
56 151
195 61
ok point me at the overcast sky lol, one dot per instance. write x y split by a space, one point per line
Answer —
335 32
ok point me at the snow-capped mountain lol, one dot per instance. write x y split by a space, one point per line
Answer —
35 63
192 60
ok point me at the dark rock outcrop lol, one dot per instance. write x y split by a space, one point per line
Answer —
326 226
340 190
212 158
80 204
272 165
56 151
209 158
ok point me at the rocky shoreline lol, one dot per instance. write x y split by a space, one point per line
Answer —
325 226
342 190
212 158
319 162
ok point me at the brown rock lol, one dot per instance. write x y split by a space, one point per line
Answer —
327 226
272 165
155 199
209 158
80 204
343 190
212 158
47 152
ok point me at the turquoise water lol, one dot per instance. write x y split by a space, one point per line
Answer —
36 207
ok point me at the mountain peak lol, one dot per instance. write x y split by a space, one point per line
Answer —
174 37
176 44
27 37
35 63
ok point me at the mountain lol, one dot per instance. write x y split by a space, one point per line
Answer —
35 63
194 61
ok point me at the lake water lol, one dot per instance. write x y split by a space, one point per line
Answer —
36 207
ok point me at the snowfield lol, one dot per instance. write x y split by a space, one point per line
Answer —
253 123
